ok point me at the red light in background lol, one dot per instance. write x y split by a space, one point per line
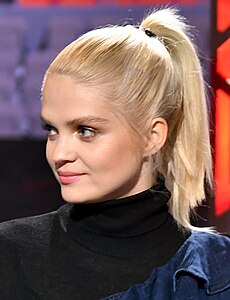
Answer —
222 153
222 107
223 15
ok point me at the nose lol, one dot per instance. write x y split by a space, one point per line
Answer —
64 150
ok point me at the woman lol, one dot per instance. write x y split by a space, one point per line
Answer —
128 141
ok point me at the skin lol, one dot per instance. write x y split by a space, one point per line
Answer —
90 147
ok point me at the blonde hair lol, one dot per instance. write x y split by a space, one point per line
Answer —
148 77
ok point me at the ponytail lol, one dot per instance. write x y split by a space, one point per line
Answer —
185 160
155 73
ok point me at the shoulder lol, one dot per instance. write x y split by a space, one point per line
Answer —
206 257
207 242
26 230
209 246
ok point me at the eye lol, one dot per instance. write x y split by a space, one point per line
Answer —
50 129
86 132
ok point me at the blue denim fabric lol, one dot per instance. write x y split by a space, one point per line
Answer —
199 270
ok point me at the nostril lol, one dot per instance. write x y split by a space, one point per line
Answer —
59 164
62 150
62 156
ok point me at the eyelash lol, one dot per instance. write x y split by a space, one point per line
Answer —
80 131
48 128
85 128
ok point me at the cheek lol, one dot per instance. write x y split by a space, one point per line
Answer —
115 155
99 157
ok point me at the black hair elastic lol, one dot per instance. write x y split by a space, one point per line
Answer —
149 33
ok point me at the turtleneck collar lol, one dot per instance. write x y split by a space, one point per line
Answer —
127 217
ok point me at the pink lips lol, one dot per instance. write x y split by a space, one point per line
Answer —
68 177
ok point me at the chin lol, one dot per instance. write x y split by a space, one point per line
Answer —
78 197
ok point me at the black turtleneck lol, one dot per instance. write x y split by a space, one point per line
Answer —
88 251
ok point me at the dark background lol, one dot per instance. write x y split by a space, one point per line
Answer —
27 185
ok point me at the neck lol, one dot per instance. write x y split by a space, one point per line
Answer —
130 216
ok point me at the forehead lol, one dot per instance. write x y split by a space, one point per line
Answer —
63 90
65 86
65 98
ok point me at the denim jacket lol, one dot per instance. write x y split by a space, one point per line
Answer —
199 270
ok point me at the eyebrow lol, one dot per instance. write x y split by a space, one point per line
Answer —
81 120
87 119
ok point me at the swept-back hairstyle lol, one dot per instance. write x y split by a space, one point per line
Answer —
150 71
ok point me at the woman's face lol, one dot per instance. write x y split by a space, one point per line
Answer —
90 148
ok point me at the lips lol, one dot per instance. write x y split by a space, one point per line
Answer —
69 177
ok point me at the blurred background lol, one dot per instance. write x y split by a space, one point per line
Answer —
32 32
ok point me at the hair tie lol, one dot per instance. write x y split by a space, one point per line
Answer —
149 33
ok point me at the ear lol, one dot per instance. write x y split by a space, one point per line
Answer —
156 136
